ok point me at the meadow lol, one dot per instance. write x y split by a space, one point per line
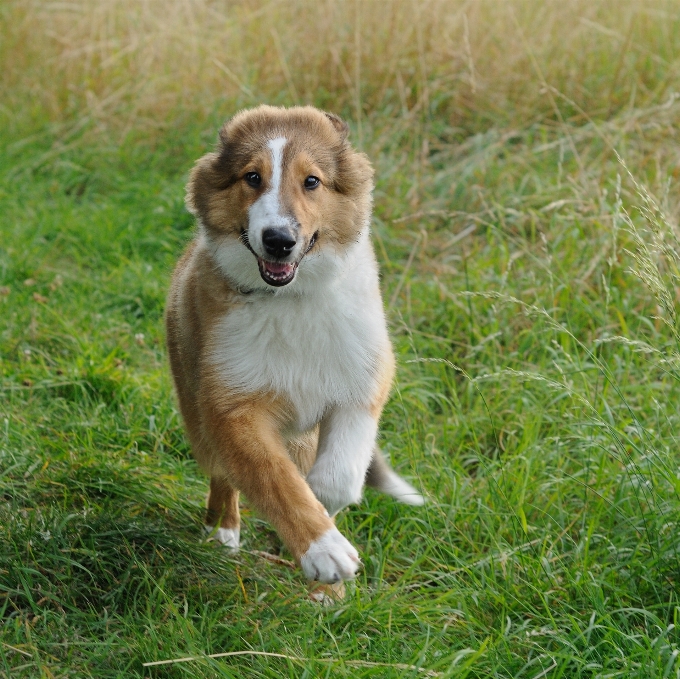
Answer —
526 224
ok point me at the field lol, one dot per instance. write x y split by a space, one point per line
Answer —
525 221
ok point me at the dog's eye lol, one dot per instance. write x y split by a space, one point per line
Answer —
312 182
253 179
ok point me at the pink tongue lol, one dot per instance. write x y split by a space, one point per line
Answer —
275 267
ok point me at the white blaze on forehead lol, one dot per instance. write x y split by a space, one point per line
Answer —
276 147
266 211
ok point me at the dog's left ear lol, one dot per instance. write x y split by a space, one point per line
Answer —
339 124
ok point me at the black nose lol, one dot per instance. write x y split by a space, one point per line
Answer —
279 242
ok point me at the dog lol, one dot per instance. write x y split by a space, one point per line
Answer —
276 333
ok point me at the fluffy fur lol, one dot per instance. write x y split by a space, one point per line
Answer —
277 336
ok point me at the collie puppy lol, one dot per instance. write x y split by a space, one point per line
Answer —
277 336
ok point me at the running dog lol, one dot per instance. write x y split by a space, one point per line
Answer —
277 336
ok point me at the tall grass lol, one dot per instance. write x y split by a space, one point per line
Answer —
445 65
526 224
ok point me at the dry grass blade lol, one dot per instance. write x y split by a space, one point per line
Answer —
17 650
273 558
352 663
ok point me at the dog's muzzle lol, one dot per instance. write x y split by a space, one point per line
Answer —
278 244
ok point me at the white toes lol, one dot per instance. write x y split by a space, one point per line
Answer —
331 558
229 537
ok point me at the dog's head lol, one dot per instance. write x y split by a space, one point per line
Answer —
283 189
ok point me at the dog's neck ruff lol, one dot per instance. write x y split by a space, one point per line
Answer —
317 346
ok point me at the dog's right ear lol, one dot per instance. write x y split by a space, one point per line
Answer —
202 179
223 133
210 173
339 124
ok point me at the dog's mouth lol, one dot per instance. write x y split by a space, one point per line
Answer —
277 274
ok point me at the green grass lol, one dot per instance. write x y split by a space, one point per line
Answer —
533 307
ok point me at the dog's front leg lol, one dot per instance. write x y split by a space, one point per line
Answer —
253 457
346 440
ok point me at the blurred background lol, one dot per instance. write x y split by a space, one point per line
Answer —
444 70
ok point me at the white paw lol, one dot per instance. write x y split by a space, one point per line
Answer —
331 558
335 489
229 537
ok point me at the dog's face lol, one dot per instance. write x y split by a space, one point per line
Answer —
284 187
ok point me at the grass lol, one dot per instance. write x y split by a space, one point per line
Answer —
532 279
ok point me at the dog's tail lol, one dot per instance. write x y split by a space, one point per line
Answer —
383 478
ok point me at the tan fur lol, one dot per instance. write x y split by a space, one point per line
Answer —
216 195
242 438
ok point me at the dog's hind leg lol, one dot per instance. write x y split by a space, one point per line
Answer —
383 478
223 512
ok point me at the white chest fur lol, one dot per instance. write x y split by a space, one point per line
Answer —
318 348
